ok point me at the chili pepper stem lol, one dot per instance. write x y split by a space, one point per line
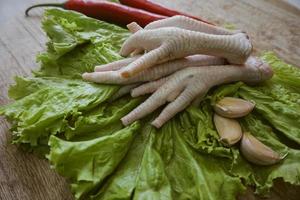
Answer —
60 5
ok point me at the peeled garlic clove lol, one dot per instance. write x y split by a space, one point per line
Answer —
257 152
233 107
229 130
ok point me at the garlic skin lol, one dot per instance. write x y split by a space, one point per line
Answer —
229 130
233 107
257 152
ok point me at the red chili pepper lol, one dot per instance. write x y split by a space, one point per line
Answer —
157 8
107 11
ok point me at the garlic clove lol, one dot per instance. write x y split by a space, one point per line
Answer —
229 130
257 152
233 107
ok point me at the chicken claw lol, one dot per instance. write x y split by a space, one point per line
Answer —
193 82
164 44
111 73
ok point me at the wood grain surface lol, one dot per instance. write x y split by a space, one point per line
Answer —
272 25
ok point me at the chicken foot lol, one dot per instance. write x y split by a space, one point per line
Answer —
193 83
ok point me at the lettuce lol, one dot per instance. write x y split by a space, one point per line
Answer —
159 164
58 114
46 103
90 162
284 116
289 167
285 74
78 44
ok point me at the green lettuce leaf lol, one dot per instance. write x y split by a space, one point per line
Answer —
101 120
160 164
262 177
47 102
90 162
285 74
283 115
78 43
198 125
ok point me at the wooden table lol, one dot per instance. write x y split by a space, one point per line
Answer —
273 25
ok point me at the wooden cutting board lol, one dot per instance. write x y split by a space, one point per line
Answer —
273 25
